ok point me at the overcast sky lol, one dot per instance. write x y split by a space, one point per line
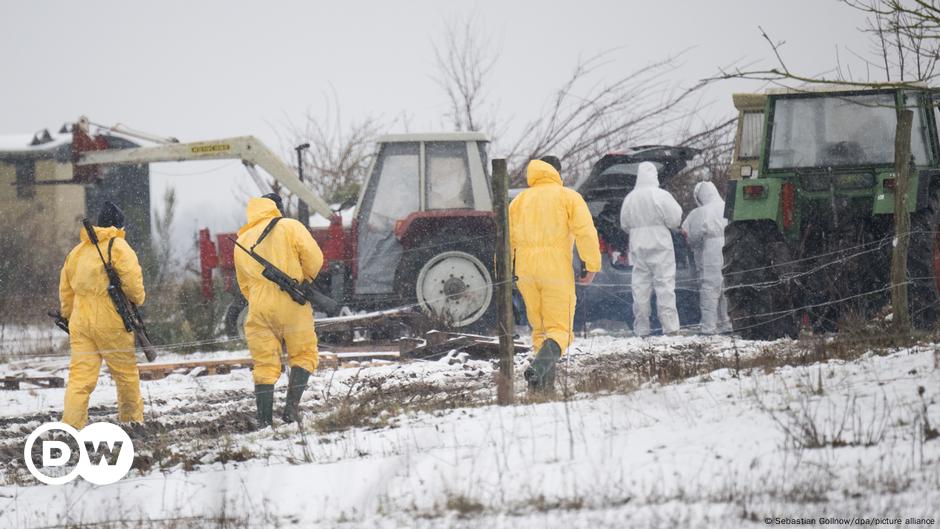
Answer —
213 69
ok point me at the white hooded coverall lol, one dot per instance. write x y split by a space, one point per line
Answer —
705 227
647 215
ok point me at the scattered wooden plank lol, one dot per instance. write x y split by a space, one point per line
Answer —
210 367
475 344
361 347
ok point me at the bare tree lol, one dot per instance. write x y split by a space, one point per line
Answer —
588 114
906 36
465 61
905 49
340 153
715 142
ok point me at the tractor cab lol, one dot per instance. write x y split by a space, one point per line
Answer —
416 178
811 205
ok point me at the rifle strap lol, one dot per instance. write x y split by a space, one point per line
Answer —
267 230
110 245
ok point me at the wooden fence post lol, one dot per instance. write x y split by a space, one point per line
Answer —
503 283
902 222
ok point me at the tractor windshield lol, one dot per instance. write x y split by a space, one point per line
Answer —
840 131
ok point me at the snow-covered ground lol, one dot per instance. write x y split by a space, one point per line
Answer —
666 432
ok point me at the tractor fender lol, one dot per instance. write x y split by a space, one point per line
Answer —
751 207
425 225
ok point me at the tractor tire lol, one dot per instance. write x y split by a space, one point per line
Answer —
923 263
234 322
451 283
759 304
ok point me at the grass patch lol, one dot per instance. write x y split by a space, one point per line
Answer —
464 506
378 402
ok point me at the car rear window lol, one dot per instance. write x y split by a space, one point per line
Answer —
614 181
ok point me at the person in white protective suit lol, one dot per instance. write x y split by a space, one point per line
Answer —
705 229
648 215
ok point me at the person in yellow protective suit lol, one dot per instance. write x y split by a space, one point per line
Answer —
96 331
273 317
545 222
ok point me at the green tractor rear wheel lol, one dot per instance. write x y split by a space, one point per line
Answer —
923 263
759 299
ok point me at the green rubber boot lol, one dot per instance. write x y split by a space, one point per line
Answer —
541 372
264 398
297 383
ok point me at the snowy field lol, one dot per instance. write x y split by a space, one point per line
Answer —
666 432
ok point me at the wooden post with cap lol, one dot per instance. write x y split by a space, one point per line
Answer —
503 282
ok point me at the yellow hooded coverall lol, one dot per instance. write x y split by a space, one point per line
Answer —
545 221
273 316
96 331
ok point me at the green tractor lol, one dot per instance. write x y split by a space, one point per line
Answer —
810 207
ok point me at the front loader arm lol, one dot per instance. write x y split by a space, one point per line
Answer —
248 149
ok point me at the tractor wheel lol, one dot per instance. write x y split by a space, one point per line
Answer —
758 303
235 316
923 263
451 283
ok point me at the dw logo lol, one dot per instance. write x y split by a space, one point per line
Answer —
104 453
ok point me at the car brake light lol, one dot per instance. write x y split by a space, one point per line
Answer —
890 183
753 192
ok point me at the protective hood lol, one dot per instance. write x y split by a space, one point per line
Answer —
539 172
706 193
259 210
103 233
647 176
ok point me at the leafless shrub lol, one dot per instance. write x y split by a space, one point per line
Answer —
599 379
884 479
176 312
463 505
592 113
819 423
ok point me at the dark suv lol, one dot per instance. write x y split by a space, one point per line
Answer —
609 297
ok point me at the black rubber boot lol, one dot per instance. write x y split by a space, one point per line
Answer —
264 398
541 372
297 383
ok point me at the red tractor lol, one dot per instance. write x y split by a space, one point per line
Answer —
421 237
